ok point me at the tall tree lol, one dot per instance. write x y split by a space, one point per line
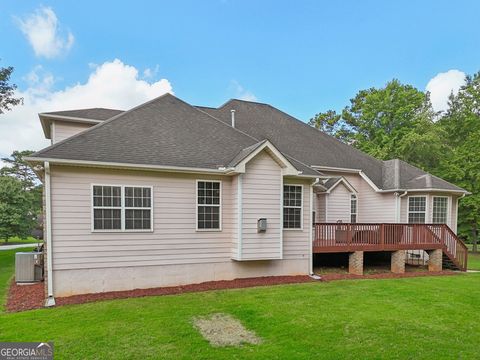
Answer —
20 169
462 164
16 215
395 121
7 90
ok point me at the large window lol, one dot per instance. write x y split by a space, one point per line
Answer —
353 208
122 208
440 206
208 205
292 206
416 209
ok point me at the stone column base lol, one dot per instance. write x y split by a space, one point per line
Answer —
398 262
355 263
435 260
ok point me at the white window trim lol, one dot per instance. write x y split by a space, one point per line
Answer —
197 205
447 210
122 210
417 212
352 195
301 207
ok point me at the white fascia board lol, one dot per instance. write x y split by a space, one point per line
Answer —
102 164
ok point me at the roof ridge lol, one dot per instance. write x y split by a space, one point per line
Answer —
53 146
247 101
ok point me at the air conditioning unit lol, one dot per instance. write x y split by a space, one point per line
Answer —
28 267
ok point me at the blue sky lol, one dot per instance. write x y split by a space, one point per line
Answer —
303 56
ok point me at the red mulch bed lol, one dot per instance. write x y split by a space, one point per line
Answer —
27 297
172 290
389 275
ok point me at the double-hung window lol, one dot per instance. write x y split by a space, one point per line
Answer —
440 207
353 208
121 208
138 208
107 207
209 205
417 206
292 206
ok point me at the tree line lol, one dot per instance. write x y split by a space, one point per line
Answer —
398 121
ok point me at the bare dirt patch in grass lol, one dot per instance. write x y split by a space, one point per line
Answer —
224 330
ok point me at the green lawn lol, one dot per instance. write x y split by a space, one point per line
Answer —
7 269
473 261
416 318
16 240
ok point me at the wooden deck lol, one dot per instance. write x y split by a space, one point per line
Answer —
345 237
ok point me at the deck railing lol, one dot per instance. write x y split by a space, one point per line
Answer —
340 237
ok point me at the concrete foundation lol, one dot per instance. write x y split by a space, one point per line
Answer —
435 260
355 263
84 281
398 262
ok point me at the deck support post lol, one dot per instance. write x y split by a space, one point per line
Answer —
355 263
435 260
398 262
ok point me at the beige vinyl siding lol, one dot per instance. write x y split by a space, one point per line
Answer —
235 202
174 239
320 207
372 207
262 187
454 214
64 129
338 204
296 243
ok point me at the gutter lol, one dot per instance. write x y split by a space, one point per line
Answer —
48 219
398 204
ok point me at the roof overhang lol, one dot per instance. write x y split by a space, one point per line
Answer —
47 119
126 166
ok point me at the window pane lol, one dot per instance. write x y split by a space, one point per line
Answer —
439 210
138 197
292 218
292 195
137 219
417 203
107 219
416 218
208 217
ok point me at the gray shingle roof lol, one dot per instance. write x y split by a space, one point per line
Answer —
296 138
92 114
169 132
313 147
401 175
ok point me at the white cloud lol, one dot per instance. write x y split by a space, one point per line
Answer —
442 85
43 32
241 93
111 85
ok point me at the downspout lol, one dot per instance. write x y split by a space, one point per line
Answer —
240 216
48 220
398 206
310 266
